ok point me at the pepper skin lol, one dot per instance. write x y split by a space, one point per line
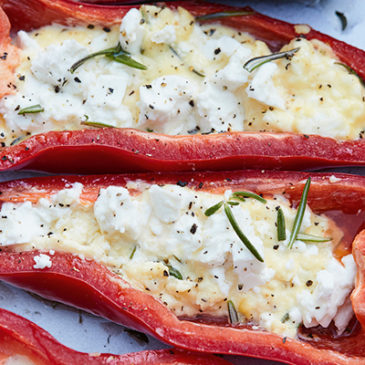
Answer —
72 279
128 150
18 336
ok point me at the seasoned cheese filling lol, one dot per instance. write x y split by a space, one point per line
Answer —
161 240
195 81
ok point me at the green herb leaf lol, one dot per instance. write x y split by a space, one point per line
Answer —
351 71
233 203
117 54
210 211
97 124
280 221
222 14
311 238
31 109
232 313
248 194
285 318
132 253
342 18
240 234
174 272
300 214
104 52
123 57
256 62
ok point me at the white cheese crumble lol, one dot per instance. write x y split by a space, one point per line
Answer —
195 81
334 179
160 240
42 261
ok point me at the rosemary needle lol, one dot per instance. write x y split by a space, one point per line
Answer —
117 54
300 213
280 221
232 313
222 14
311 238
174 272
256 62
248 194
31 109
210 211
97 124
240 234
132 253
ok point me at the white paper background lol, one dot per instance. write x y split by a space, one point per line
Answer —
88 333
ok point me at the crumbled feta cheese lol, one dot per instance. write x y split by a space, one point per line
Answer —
333 179
165 35
218 110
132 31
116 211
334 284
42 261
68 196
262 87
165 105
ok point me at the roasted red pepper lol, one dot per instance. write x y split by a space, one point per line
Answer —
91 286
117 150
20 337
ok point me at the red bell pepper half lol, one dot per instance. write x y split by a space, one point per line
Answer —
20 337
129 150
89 285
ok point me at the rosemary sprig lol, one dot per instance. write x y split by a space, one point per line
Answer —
342 18
300 214
280 221
256 62
351 71
174 272
210 211
116 53
240 234
311 238
132 253
222 14
96 124
31 109
248 194
232 313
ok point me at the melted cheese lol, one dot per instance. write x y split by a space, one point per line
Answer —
194 83
145 237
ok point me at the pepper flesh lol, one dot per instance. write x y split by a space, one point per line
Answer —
74 279
128 150
18 336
